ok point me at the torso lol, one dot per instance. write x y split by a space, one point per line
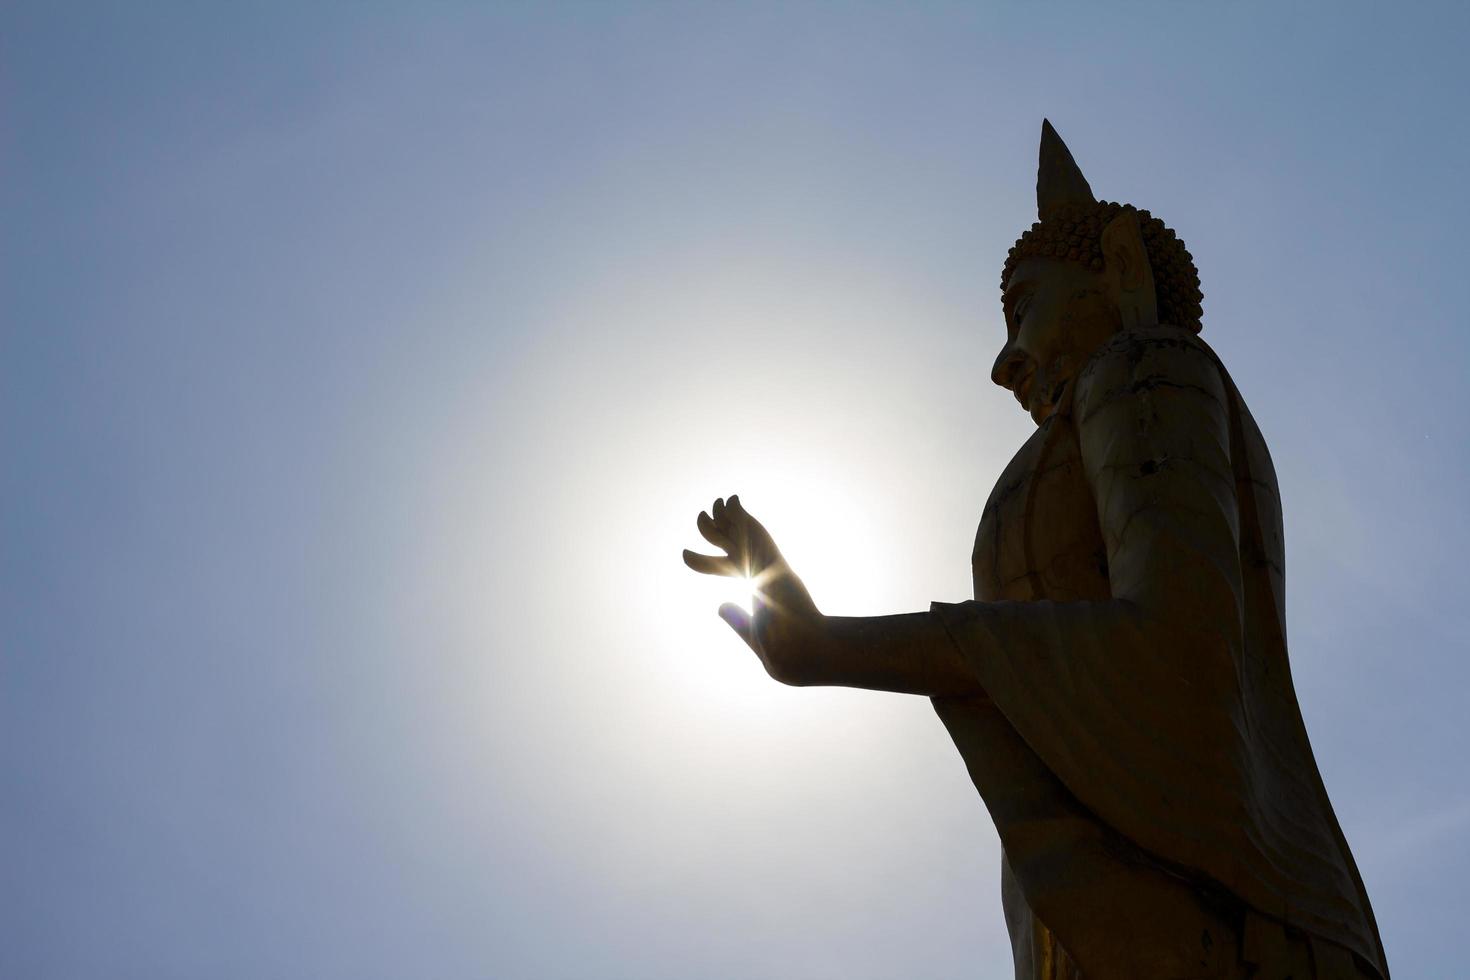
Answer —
1022 557
1039 541
1061 558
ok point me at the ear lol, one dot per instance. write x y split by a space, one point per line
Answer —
1130 276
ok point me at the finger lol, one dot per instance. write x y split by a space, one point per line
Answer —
759 547
738 619
713 534
736 513
711 564
737 519
718 511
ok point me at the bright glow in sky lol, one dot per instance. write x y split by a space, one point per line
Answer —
363 369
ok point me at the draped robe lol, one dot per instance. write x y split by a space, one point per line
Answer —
1139 745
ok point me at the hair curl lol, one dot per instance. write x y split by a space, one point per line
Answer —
1075 232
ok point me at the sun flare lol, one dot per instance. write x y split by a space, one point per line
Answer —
740 590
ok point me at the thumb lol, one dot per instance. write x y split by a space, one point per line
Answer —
738 619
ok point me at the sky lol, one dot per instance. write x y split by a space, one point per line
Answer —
364 366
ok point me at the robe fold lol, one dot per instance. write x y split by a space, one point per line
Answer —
1140 747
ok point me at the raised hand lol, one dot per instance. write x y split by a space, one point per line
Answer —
784 626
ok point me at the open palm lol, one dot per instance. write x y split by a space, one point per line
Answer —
783 619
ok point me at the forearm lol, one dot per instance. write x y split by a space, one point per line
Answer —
935 653
911 653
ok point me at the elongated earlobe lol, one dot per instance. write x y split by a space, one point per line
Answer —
1129 273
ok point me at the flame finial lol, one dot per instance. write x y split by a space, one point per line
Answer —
1059 182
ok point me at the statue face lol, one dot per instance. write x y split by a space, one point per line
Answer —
1057 314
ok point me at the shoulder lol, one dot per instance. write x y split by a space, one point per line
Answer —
1142 363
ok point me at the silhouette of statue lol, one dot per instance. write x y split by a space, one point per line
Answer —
1119 688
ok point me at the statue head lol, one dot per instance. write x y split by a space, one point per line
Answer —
1082 272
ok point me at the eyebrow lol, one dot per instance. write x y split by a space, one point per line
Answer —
1013 292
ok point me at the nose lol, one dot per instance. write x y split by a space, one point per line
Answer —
1008 365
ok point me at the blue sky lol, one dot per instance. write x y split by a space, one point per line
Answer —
363 366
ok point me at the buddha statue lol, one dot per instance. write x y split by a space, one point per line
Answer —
1118 688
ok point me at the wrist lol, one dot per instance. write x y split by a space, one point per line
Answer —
803 651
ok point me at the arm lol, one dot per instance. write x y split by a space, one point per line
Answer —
910 653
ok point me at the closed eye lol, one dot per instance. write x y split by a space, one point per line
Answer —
1019 310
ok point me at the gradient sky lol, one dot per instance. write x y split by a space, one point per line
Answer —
363 367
